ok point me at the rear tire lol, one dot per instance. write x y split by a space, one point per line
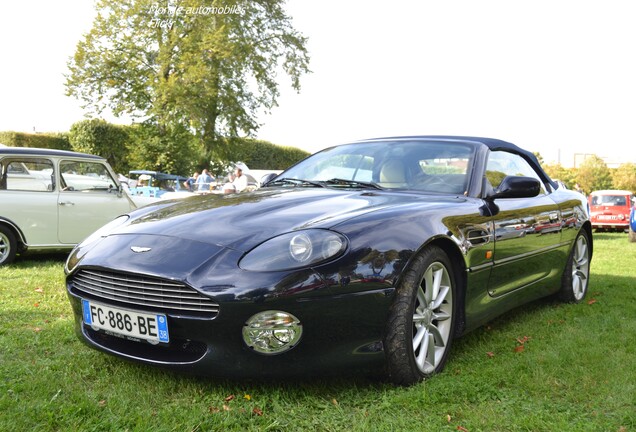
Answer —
576 274
8 245
421 322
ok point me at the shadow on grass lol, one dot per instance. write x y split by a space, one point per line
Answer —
39 259
610 236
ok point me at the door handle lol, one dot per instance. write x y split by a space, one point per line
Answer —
66 203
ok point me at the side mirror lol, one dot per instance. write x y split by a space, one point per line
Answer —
517 187
268 178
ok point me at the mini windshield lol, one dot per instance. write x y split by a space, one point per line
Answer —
402 164
610 200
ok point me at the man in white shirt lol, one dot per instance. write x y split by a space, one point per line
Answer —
240 180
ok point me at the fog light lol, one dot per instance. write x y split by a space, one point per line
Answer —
272 332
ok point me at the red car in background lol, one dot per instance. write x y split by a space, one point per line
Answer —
610 209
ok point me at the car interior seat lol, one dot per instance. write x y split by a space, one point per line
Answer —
393 174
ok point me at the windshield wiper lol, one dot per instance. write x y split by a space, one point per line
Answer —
296 182
352 183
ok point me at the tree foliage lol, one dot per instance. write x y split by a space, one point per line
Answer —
593 174
101 138
624 177
205 65
175 151
559 172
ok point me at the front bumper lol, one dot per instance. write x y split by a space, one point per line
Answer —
339 332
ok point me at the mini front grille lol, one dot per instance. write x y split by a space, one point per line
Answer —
137 290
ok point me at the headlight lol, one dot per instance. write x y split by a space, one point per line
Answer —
295 250
272 332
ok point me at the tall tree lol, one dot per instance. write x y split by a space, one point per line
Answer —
208 65
593 174
624 177
559 172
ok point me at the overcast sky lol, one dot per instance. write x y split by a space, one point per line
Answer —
557 77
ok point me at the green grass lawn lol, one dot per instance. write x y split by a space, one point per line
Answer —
544 367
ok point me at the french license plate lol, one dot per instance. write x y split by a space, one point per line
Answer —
137 325
605 217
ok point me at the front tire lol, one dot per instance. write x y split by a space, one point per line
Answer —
576 274
422 320
8 245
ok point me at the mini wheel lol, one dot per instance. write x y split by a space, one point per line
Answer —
8 245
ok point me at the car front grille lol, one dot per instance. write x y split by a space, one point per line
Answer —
141 291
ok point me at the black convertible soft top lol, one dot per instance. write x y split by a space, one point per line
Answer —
492 143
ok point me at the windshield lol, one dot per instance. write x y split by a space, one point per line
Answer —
414 165
610 200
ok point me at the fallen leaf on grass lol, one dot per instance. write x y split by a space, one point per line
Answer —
448 418
591 301
36 304
102 403
257 411
247 397
523 340
462 429
39 290
213 410
519 348
490 354
37 329
226 408
334 401
229 398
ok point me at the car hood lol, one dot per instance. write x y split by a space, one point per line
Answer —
242 221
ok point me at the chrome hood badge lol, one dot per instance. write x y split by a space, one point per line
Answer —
140 249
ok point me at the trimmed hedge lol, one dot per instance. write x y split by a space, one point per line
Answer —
111 141
257 154
58 141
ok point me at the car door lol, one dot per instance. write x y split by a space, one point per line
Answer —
28 197
527 230
89 198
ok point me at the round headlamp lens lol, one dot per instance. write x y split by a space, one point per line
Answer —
300 247
272 332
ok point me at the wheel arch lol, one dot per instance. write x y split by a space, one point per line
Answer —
17 232
587 227
456 257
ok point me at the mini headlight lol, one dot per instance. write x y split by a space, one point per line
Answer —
295 250
272 332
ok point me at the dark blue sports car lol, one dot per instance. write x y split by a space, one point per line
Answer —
372 255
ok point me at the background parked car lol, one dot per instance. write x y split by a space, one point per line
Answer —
52 199
632 224
609 209
144 186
